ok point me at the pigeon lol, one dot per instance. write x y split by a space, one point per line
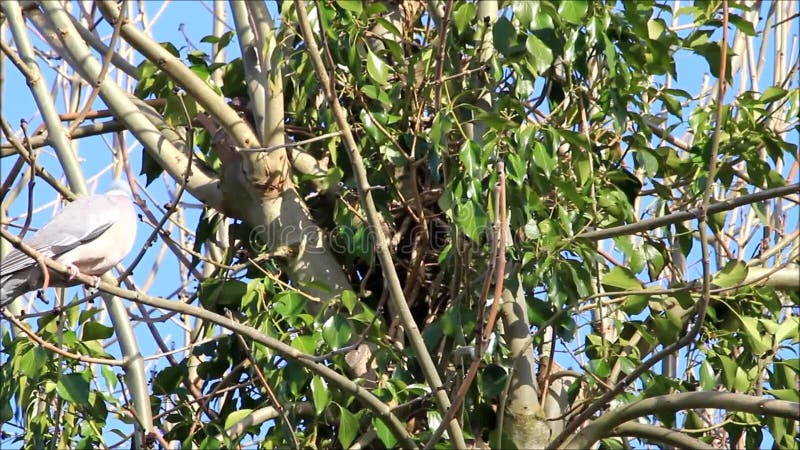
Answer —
90 235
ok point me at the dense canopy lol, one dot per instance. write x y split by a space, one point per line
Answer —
442 224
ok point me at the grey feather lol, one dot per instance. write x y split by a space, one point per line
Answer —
93 233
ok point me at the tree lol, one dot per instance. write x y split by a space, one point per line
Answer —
441 224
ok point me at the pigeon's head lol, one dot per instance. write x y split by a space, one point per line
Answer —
119 187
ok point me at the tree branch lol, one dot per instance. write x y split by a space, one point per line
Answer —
728 401
371 402
236 127
654 433
669 219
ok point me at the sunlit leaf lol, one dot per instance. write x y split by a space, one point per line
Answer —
320 394
573 10
732 274
236 417
540 56
621 279
384 433
377 70
348 427
336 331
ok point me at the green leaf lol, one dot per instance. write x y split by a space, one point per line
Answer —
665 330
712 52
73 388
336 332
151 169
348 427
168 379
693 421
306 344
742 24
463 16
376 93
236 417
626 365
503 35
320 394
289 304
491 380
384 433
215 292
109 376
540 56
621 279
729 367
95 330
211 443
788 329
708 380
32 362
732 274
543 159
469 154
472 220
377 70
354 6
635 304
754 335
790 395
742 383
349 300
648 161
573 10
772 94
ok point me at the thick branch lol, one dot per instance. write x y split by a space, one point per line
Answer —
654 433
236 127
44 101
728 401
202 183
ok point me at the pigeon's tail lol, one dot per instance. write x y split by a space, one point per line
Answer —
15 284
5 297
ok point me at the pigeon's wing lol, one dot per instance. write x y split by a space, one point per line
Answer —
91 234
79 222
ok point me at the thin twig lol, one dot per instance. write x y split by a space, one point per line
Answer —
4 313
